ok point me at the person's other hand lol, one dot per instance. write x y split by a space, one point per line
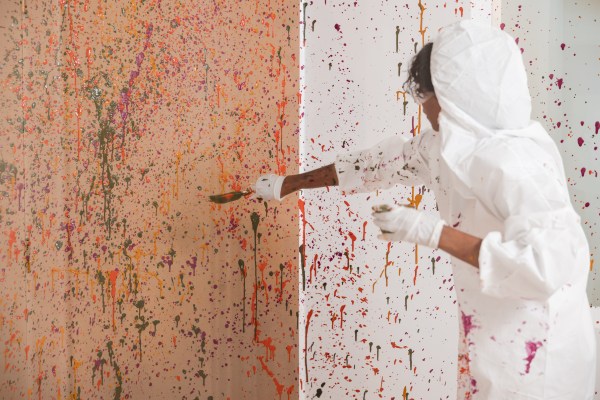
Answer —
410 225
268 187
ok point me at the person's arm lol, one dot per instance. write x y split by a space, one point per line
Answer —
395 160
428 229
320 177
461 245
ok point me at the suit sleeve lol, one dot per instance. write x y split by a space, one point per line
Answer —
392 161
542 246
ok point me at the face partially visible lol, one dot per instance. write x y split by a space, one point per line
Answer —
432 109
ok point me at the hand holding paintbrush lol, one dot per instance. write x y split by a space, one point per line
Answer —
268 187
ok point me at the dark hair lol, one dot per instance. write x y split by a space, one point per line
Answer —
419 73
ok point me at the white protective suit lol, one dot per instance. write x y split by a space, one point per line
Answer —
526 330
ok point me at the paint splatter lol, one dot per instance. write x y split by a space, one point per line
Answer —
531 349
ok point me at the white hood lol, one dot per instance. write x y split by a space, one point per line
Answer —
481 85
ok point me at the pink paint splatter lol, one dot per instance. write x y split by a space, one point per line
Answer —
474 386
531 348
467 321
580 141
502 26
562 46
559 82
583 171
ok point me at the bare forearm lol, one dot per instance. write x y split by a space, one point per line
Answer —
320 177
461 245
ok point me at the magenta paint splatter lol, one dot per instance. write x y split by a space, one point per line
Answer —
562 46
531 348
559 82
597 125
474 386
467 321
580 141
338 28
583 171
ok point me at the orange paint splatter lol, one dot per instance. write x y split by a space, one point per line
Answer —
353 238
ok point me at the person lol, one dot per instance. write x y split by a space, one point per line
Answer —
519 255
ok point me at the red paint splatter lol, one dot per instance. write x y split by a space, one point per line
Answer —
338 28
502 26
562 46
580 141
531 348
269 347
113 291
279 387
342 316
559 82
597 126
364 232
415 277
313 267
583 171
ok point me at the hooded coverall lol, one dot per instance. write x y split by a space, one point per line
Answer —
526 330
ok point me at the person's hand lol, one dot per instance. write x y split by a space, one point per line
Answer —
410 225
268 187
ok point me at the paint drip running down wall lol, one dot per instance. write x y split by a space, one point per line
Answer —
119 279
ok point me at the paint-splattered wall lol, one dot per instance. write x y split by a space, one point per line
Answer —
118 278
378 320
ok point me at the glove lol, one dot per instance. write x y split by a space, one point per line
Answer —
410 225
268 187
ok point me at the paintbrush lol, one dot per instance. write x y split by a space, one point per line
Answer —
231 196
